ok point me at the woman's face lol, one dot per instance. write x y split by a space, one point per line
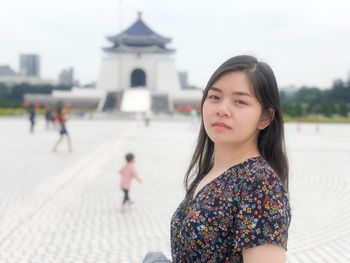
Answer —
231 112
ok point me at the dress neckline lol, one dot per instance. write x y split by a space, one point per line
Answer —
194 197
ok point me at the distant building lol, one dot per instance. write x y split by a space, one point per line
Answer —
140 59
29 65
66 77
17 79
6 70
29 73
90 85
137 74
183 79
77 98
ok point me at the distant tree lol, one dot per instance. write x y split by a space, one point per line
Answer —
4 91
327 109
18 91
13 96
312 97
339 91
342 109
312 100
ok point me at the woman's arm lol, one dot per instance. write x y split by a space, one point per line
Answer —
266 253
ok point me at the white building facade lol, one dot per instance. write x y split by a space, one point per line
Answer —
155 72
139 59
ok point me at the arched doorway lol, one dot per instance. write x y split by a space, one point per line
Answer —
138 78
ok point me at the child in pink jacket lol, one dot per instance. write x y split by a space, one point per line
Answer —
128 173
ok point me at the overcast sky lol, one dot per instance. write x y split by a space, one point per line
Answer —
307 42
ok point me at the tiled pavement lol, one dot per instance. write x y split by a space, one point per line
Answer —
62 207
320 193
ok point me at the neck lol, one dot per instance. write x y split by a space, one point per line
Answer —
228 155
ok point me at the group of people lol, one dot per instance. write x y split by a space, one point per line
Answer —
236 207
60 118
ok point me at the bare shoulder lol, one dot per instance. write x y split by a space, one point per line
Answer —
267 253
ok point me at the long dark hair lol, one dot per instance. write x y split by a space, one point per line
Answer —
270 140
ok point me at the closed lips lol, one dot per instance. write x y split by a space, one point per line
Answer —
220 124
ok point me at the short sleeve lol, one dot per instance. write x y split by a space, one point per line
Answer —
263 215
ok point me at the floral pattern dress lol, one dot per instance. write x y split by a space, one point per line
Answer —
246 206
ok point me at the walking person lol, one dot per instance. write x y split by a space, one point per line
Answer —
48 118
62 121
128 173
236 208
32 118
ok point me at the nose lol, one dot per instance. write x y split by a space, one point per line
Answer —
223 110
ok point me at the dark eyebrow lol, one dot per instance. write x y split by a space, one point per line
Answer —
214 88
242 94
239 93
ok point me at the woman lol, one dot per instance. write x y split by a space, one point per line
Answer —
236 207
62 119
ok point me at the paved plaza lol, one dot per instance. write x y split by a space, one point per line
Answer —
64 207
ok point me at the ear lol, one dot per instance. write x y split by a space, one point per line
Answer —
266 118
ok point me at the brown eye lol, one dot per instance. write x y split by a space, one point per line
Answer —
213 97
240 102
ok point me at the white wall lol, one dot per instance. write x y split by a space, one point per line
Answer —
167 77
161 74
109 73
130 62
